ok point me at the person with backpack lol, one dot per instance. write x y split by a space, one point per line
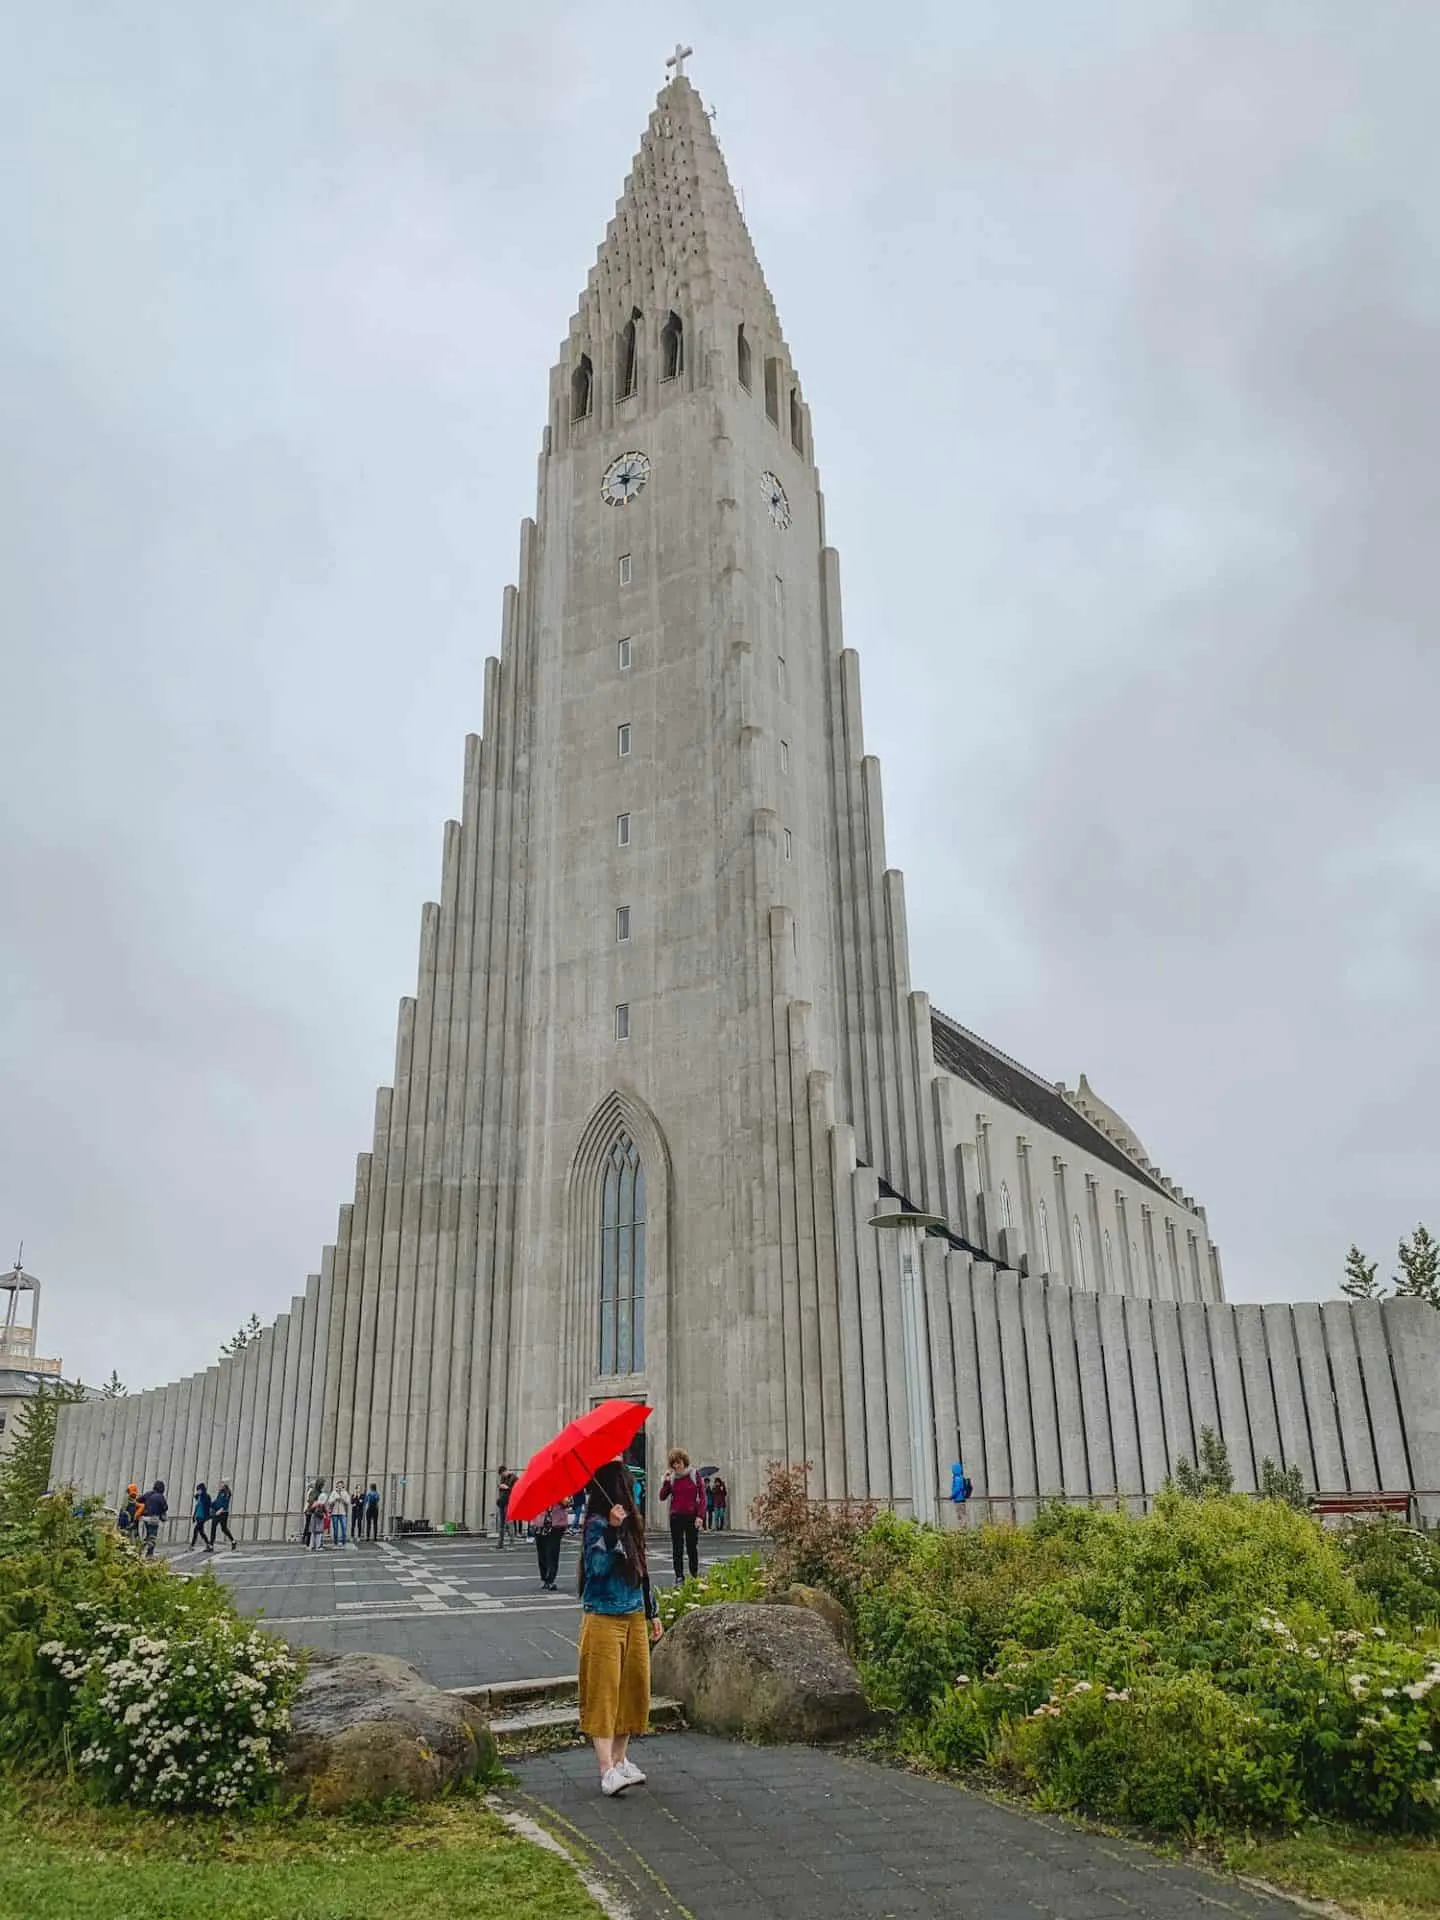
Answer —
961 1488
685 1491
549 1536
128 1518
220 1514
154 1508
502 1504
200 1519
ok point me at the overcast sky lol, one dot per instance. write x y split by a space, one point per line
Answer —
1120 325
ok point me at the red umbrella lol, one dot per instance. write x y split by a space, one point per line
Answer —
564 1464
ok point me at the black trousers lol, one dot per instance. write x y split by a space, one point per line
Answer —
197 1532
547 1552
372 1522
220 1523
683 1540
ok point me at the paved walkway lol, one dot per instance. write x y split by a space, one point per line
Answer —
463 1611
729 1832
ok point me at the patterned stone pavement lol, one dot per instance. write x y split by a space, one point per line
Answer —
462 1610
729 1832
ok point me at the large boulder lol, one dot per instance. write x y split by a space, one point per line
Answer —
763 1672
825 1606
365 1725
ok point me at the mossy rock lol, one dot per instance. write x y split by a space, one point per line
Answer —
761 1671
815 1600
367 1725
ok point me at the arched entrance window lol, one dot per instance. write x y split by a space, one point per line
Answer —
622 1261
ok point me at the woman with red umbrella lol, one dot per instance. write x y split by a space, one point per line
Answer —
620 1612
617 1628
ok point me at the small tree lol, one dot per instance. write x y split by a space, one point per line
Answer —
114 1387
1360 1282
1283 1483
1212 1475
1419 1275
250 1331
25 1467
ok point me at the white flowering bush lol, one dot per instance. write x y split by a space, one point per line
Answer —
191 1718
151 1686
739 1578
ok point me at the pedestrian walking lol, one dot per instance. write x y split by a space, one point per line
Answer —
721 1495
372 1511
685 1491
128 1518
154 1508
200 1518
502 1504
549 1536
220 1514
618 1625
709 1520
339 1513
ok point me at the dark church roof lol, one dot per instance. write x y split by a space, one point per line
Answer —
968 1057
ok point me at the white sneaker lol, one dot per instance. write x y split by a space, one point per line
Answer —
613 1781
631 1772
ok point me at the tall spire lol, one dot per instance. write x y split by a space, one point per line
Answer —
678 237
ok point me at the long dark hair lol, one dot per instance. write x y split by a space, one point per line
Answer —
610 1486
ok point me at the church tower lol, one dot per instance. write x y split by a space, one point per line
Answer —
664 1069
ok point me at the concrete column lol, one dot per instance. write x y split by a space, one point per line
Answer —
983 1375
1338 1325
386 1444
940 1355
1095 1416
368 1443
1041 1383
820 1118
1320 1408
1145 1387
1387 1427
1230 1397
286 1493
1413 1330
315 1421
246 1479
879 1471
274 1476
1180 1437
228 1397
1015 1376
1289 1393
407 1359
1261 1421
1194 1319
1063 1307
970 1420
852 1361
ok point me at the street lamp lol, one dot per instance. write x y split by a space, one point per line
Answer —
911 1228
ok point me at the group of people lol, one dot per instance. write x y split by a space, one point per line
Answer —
333 1518
140 1516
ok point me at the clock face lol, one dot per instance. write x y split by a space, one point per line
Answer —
624 477
775 499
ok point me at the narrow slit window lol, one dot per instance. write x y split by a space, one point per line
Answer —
622 654
784 756
622 740
625 570
780 669
1077 1241
672 348
742 356
622 1021
622 923
772 390
789 844
582 387
622 829
627 358
797 421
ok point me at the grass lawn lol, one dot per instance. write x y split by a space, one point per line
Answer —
62 1860
1380 1878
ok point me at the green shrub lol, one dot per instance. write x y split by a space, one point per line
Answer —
1396 1566
150 1684
813 1543
741 1578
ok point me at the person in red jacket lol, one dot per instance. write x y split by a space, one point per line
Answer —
685 1491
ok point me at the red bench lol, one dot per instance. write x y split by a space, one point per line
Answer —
1340 1506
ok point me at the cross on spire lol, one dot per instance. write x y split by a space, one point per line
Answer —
678 58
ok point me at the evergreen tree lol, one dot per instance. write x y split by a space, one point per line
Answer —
1419 1275
114 1387
1212 1475
251 1330
1360 1282
1287 1484
25 1467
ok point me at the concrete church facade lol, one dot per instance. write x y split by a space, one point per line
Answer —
665 1064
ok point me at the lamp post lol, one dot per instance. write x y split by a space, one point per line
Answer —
911 1227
